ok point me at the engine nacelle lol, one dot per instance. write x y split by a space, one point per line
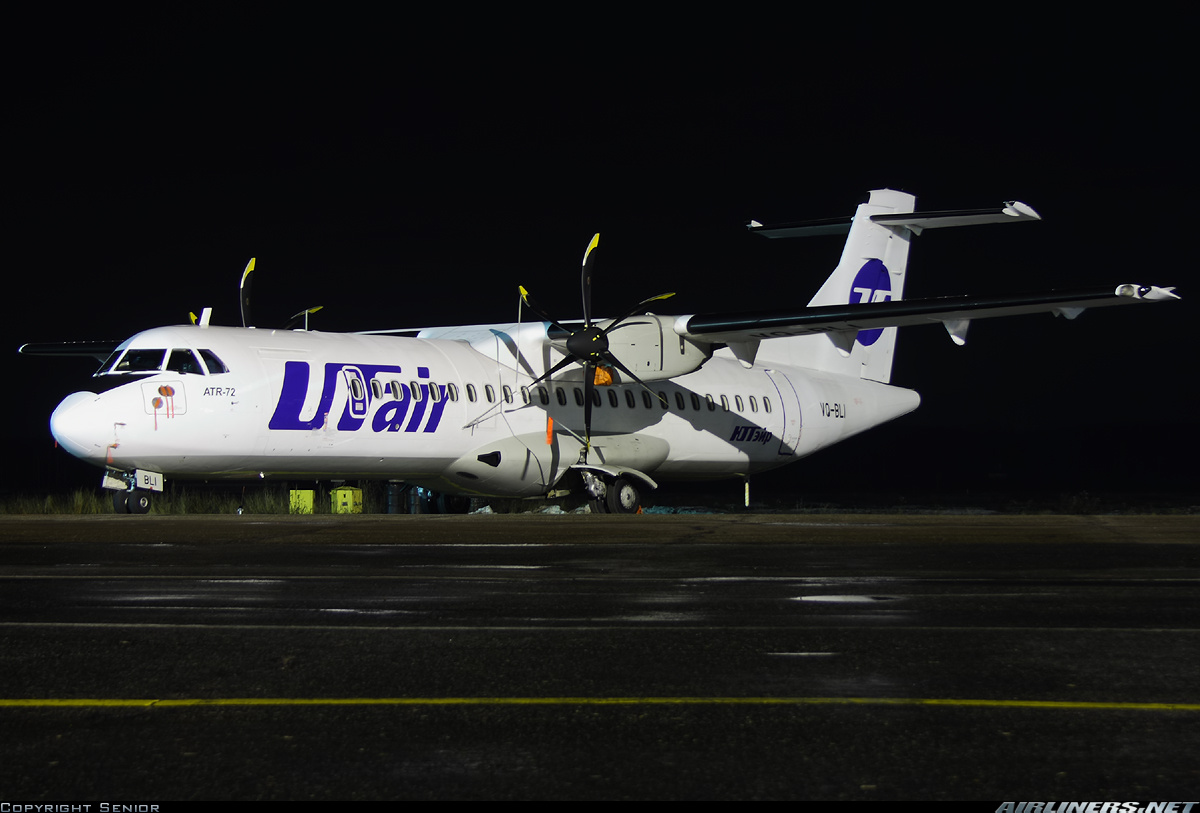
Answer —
650 347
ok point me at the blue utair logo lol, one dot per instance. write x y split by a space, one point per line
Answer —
750 434
871 284
404 408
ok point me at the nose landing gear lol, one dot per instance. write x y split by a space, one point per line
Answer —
127 497
134 501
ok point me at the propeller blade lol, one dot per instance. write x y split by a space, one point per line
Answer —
565 362
529 303
616 362
304 313
589 384
244 293
585 282
638 308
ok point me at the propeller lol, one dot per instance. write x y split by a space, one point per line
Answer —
588 345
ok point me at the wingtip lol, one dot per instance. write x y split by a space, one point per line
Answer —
1017 209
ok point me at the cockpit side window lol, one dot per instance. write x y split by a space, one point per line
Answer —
107 366
215 365
140 361
184 361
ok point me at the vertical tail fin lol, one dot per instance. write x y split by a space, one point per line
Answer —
872 269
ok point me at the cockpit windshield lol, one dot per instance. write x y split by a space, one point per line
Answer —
184 361
215 365
140 361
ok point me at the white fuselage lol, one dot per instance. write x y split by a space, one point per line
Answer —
454 414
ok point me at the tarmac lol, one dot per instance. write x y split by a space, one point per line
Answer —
148 659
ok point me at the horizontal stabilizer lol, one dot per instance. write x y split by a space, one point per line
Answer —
1012 211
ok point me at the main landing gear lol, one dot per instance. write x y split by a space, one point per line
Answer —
619 495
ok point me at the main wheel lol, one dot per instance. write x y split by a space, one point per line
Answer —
623 497
120 502
139 501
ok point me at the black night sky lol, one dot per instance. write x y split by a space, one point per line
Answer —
416 178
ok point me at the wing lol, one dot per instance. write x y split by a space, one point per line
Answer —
97 350
955 312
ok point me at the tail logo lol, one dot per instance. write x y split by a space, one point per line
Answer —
871 284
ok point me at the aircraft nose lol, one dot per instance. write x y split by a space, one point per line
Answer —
75 427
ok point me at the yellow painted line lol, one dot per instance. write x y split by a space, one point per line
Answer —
587 701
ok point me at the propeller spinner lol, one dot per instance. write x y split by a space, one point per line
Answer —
588 345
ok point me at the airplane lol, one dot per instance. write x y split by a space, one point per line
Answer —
595 409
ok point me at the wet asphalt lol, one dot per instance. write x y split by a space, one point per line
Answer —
152 659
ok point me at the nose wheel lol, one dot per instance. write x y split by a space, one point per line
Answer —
136 501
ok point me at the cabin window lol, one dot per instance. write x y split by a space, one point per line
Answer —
578 397
471 394
452 392
766 404
397 390
679 401
140 361
695 402
525 394
489 392
376 389
183 361
561 395
725 403
507 394
712 405
543 395
356 388
647 399
596 396
662 399
753 404
630 401
612 399
737 402
215 365
415 389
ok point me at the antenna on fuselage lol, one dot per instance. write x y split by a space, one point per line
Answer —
205 316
